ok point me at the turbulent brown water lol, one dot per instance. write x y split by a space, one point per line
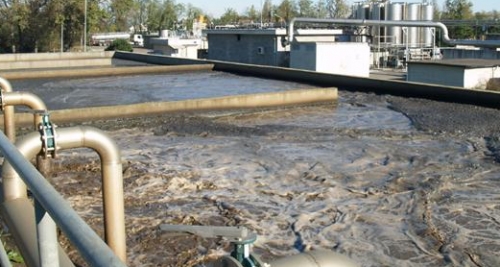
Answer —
387 181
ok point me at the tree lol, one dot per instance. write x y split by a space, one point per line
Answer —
459 10
286 10
120 45
120 13
321 9
253 14
337 8
163 16
267 11
191 13
436 10
306 8
230 16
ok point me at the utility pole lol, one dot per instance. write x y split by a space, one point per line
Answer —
85 29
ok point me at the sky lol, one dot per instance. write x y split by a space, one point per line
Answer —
217 7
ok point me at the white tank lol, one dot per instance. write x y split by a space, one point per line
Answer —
413 14
394 13
426 34
164 34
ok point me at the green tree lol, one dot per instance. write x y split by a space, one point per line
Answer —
253 14
163 16
267 11
459 10
337 8
321 10
436 10
286 10
306 8
191 13
120 45
230 16
120 13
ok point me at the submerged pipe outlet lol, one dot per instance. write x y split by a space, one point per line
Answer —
403 23
8 113
112 179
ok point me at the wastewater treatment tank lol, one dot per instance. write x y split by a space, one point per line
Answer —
384 180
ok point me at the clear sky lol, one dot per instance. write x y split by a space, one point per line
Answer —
217 7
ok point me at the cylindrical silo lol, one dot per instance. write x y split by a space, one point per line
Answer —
427 15
354 10
394 13
363 13
413 13
378 32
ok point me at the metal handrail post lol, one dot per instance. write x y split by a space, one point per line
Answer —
4 258
47 237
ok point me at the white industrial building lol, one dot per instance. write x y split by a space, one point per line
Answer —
177 46
330 57
261 46
467 73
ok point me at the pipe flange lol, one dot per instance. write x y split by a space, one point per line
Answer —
48 136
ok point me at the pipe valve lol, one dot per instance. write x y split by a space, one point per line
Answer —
48 136
240 237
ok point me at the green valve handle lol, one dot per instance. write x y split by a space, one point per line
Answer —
47 131
240 237
241 251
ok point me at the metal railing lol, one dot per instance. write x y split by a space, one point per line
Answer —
91 247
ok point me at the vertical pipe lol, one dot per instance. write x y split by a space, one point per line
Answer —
47 237
4 258
21 214
8 113
13 186
25 99
85 29
112 179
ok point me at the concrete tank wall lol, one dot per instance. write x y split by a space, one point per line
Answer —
406 89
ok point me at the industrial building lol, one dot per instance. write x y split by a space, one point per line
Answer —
467 73
378 35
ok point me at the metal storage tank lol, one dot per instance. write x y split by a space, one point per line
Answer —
378 13
354 10
395 12
413 13
363 12
426 34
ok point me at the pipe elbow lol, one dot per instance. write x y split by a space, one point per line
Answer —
95 139
6 86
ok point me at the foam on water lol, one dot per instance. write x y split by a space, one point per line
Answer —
339 179
356 178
